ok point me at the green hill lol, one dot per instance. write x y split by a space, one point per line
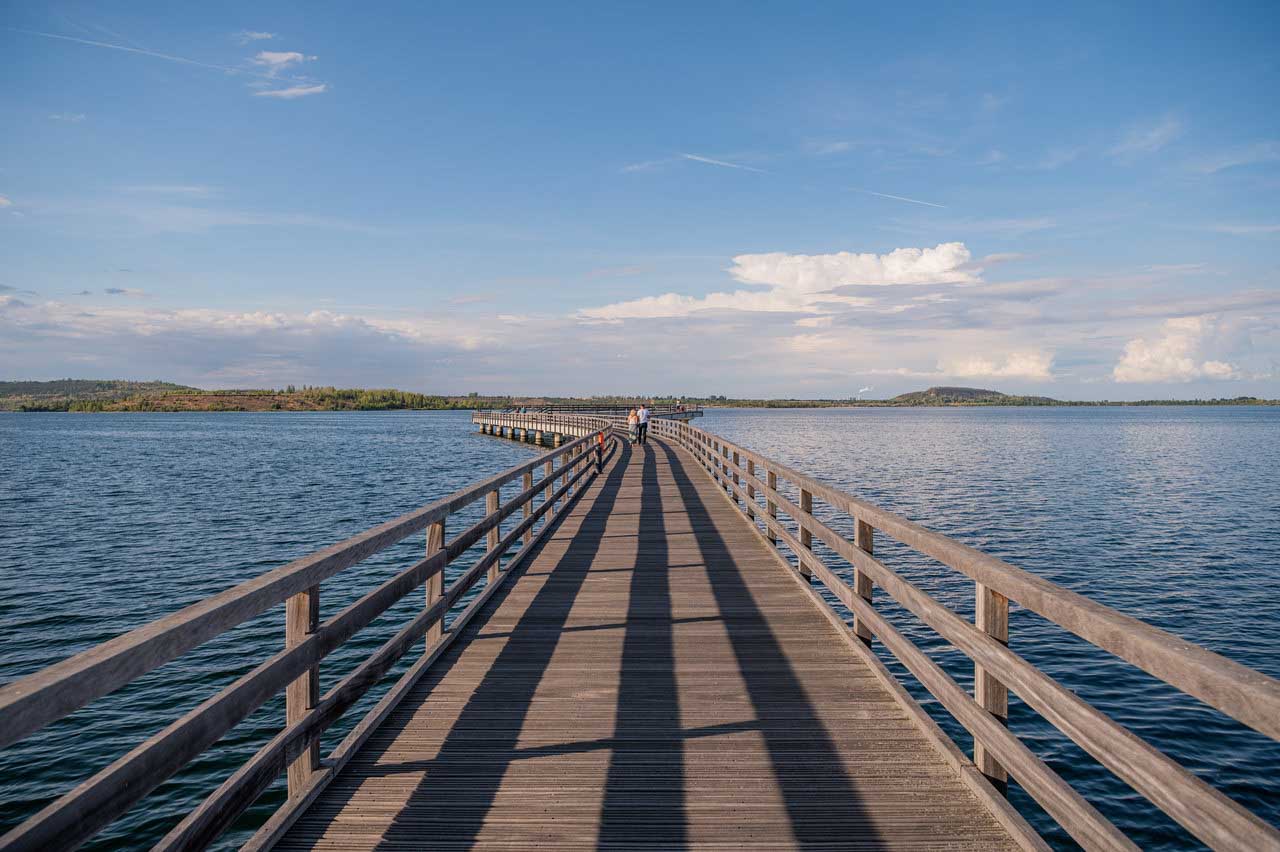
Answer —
967 396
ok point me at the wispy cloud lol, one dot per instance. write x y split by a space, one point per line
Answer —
1245 155
293 92
246 36
69 117
5 202
123 291
1147 138
188 190
724 163
823 149
1056 158
276 61
992 157
647 165
1246 230
899 198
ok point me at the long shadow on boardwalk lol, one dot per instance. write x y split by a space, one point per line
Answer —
507 687
822 812
645 785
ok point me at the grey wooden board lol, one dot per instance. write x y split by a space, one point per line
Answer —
651 679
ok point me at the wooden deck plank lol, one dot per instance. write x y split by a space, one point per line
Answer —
652 679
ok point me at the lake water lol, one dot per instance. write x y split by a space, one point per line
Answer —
1168 514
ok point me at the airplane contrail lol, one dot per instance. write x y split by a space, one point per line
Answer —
152 53
901 198
712 162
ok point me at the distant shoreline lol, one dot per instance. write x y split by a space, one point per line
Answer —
118 396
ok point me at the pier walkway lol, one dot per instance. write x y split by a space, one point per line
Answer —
654 678
636 649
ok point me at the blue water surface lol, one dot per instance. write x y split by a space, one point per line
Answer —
109 521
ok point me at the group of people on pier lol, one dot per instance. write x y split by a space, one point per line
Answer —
638 424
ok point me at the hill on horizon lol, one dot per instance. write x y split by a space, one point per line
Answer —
967 396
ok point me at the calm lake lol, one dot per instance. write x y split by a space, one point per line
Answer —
108 521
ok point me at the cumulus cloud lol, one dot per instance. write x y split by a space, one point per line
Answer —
1174 356
293 92
804 282
1028 364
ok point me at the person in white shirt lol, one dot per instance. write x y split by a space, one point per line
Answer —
643 416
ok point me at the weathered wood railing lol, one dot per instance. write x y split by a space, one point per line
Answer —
29 704
1241 693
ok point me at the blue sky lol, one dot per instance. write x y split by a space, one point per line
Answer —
754 199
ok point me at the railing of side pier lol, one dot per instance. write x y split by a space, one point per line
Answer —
752 480
31 703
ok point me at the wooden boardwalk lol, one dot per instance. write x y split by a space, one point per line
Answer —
654 677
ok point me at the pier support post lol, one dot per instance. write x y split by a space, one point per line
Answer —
491 503
771 479
991 616
864 540
435 584
556 439
537 437
302 618
806 537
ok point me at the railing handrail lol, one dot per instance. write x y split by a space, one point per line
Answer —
1238 691
33 702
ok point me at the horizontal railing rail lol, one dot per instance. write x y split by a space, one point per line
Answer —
604 409
33 702
751 480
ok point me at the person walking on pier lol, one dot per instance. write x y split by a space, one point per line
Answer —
642 419
633 426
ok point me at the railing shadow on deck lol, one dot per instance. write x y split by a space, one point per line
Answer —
509 684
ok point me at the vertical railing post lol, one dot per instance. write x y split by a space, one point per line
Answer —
771 479
991 615
528 505
435 583
864 540
736 481
491 504
302 617
751 490
547 470
806 537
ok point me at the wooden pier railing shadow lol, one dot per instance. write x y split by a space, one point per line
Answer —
632 662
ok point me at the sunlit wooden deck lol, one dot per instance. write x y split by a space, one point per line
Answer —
654 677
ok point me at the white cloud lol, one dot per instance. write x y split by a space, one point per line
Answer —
293 92
246 36
992 157
824 149
5 202
1175 356
1245 155
276 61
802 282
71 117
1028 364
1147 138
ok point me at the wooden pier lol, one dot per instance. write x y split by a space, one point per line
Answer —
647 665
